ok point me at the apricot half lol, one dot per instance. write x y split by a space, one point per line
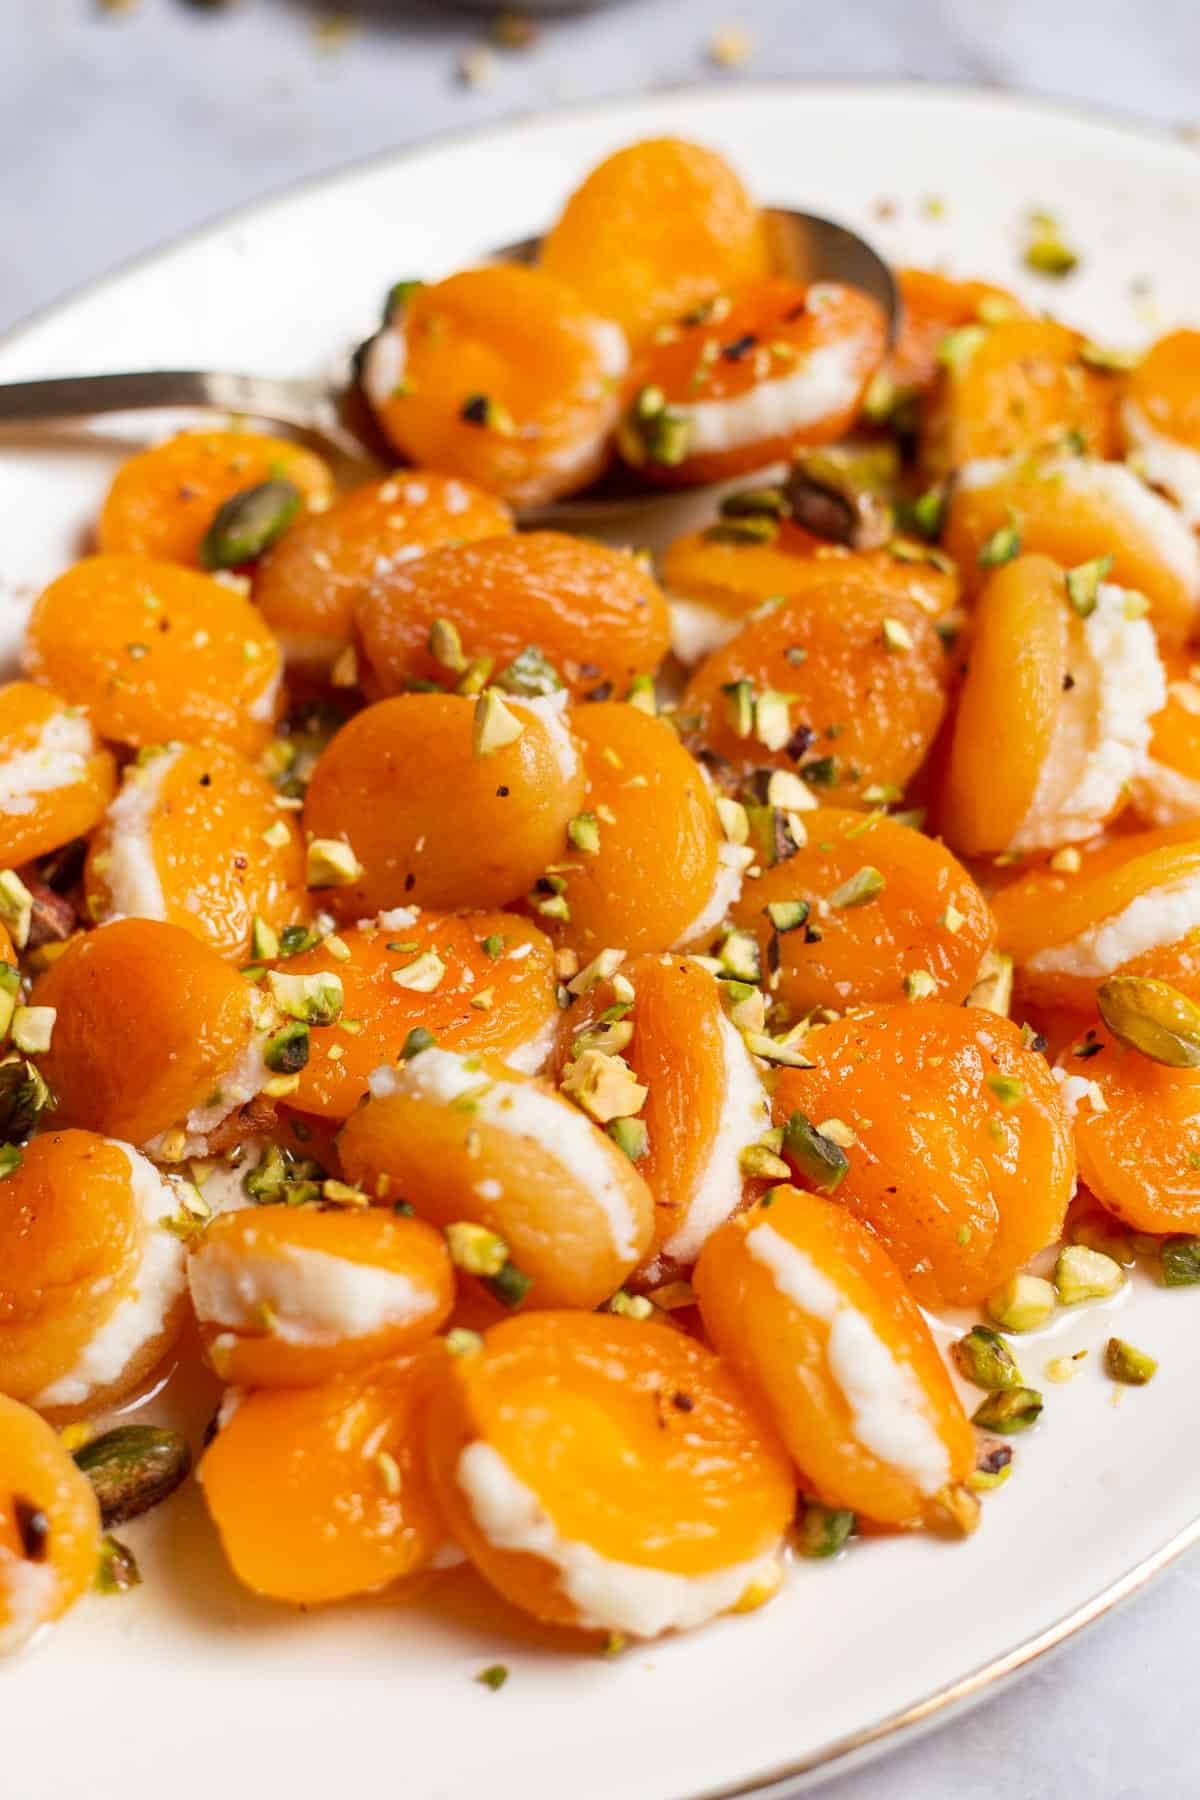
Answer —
49 1526
55 780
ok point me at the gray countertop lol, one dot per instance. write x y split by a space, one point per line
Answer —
119 130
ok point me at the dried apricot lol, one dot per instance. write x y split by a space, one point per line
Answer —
444 801
530 1438
502 375
49 1526
308 585
55 780
932 306
154 652
815 1316
939 1129
1160 419
533 610
1166 788
656 228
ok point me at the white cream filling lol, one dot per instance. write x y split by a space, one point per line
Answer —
1164 462
1074 1090
531 1057
315 1298
732 862
142 1313
889 1413
384 362
607 1595
1102 729
131 874
527 1110
828 380
1162 916
237 1086
263 707
550 711
744 1118
697 629
29 1591
1163 796
58 759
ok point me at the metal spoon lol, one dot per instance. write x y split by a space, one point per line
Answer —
334 416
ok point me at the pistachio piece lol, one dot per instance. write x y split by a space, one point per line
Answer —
583 833
823 1530
286 1050
459 1341
1003 545
758 1162
1023 1303
654 432
509 1285
116 1570
739 706
249 523
1153 1017
832 496
864 885
1083 584
16 907
1008 1410
993 1465
1126 1364
423 975
330 863
919 984
631 1136
495 724
993 987
493 1677
604 1086
956 1510
418 1039
531 674
812 1154
474 1249
489 413
445 645
631 1306
1083 1274
739 956
313 999
983 1357
748 503
133 1468
1180 1258
786 915
24 1097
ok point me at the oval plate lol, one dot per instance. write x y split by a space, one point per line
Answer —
188 1683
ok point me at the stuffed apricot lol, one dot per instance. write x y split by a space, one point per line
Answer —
1160 419
815 1316
55 779
49 1526
530 1437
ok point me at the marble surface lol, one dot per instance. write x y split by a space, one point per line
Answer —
121 130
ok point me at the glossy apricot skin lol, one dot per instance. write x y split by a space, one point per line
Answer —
678 1053
37 1474
736 578
1139 1155
864 953
163 500
518 983
431 823
1010 696
156 651
657 864
521 343
655 229
770 332
35 821
582 1406
148 1020
208 838
932 305
1063 521
781 1351
595 613
1165 387
308 585
1047 908
285 1347
1022 388
1167 792
302 1502
961 1182
452 1163
873 710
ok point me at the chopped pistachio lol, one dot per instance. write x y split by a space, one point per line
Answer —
445 645
840 495
276 836
280 1086
641 694
772 726
896 635
1106 361
602 967
928 512
474 1249
786 915
864 885
530 674
264 940
286 1051
993 1465
952 920
751 502
823 1530
116 1570
604 1086
993 987
1023 1303
631 1136
488 413
787 792
1001 546
1083 1274
758 1162
418 1039
510 1285
316 999
776 1050
493 1677
735 822
611 1035
1007 1089
24 1097
33 1028
739 956
919 984
739 706
1008 1410
1083 584
16 907
956 1510
583 832
461 1342
813 1154
1180 1258
476 676
1152 1017
983 1357
655 432
331 863
631 1306
249 522
958 347
132 1468
1067 861
496 725
1047 253
1126 1364
423 975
